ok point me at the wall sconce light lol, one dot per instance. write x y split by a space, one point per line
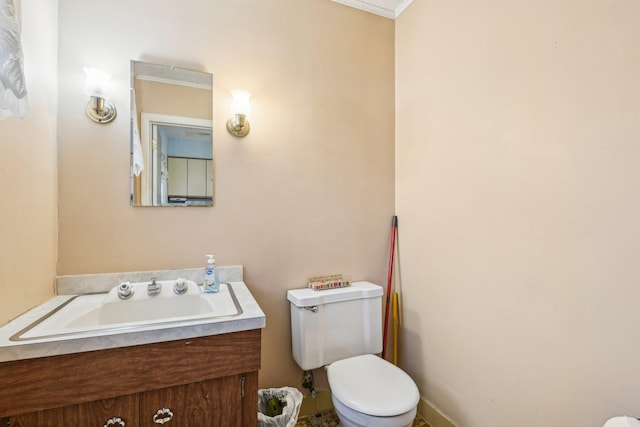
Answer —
98 88
238 123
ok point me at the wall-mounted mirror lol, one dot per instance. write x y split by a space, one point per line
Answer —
171 136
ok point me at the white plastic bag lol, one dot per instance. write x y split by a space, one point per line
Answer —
289 416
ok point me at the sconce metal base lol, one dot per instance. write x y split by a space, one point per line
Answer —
238 125
101 110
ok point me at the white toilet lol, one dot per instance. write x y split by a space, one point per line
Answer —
342 328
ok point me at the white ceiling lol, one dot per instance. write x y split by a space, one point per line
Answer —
387 8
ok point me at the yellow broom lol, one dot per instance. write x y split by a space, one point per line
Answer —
395 328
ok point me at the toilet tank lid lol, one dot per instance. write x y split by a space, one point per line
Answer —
308 297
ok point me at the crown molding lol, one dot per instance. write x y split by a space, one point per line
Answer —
374 6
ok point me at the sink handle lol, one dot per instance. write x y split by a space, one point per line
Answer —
163 415
125 290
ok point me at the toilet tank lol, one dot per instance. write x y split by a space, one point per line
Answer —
334 324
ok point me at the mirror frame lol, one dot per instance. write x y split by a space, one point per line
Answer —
141 191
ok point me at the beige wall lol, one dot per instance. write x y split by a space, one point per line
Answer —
309 191
517 193
28 216
517 181
173 100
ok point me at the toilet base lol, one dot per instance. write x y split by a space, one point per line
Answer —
350 418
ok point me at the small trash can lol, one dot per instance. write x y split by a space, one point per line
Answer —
278 407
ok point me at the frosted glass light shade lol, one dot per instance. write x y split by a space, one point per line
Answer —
98 83
98 87
240 103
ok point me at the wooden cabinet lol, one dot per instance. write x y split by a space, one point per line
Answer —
178 172
208 381
117 412
196 178
209 177
215 402
190 177
206 403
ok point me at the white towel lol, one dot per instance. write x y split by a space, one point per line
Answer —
13 90
138 159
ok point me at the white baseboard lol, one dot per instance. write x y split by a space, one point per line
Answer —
433 415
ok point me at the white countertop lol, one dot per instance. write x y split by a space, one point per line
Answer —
252 317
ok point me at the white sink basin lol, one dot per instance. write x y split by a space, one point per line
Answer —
87 313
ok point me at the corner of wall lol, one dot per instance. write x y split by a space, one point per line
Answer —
433 415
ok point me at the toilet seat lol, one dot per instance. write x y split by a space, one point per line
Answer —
371 385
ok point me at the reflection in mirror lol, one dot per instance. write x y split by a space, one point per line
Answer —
171 136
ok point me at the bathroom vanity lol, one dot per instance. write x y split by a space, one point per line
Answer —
205 381
194 373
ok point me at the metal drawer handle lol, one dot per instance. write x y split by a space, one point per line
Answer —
163 415
114 421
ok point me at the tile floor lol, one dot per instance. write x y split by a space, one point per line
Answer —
328 418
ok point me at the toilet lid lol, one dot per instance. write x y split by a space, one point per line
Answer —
371 385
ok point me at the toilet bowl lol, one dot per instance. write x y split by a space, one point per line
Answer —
350 418
368 391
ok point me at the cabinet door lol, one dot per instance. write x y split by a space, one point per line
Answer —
117 412
211 403
249 400
209 178
177 168
197 178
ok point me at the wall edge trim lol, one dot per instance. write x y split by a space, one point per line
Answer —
432 415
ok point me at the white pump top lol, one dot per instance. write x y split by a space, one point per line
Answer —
211 261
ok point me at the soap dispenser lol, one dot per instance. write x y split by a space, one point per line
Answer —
211 279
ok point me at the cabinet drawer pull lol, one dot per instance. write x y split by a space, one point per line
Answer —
115 421
163 415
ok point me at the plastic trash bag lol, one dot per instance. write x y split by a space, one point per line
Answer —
287 398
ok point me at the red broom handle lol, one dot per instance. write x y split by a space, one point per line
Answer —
394 228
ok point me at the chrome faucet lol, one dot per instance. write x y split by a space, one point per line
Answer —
180 287
154 288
